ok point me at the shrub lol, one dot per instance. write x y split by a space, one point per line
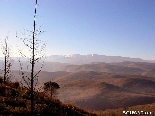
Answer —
15 85
14 93
2 90
20 112
22 103
2 107
5 113
112 114
11 102
1 80
15 103
26 94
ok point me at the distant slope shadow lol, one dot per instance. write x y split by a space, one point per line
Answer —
114 97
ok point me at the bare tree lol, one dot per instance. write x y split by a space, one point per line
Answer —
37 53
7 61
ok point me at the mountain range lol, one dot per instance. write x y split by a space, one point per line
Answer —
86 59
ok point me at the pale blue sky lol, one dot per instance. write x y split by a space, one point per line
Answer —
106 27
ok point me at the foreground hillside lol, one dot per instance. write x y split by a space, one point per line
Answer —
15 101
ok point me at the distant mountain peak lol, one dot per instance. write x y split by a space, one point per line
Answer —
73 55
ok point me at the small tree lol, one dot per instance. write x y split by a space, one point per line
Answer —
7 61
51 87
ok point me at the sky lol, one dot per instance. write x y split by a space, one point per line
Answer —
105 27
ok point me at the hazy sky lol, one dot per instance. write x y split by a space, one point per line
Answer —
105 27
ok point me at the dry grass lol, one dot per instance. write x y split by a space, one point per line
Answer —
119 112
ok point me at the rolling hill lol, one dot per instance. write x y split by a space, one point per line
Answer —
103 67
149 73
140 85
100 90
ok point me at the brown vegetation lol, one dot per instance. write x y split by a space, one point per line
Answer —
13 102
